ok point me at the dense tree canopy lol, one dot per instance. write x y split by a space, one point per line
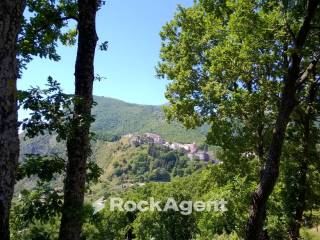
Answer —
239 65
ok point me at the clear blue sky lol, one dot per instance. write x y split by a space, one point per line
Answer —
132 29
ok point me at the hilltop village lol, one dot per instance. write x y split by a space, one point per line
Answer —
190 149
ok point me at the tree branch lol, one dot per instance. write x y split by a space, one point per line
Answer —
291 33
310 69
305 28
58 20
68 18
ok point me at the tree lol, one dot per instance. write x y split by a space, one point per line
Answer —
78 142
10 22
26 37
51 113
21 39
292 78
45 23
238 65
301 150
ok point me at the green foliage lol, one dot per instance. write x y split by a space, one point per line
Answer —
159 175
93 172
202 185
106 224
36 227
45 167
36 231
124 118
218 69
225 61
51 113
42 203
149 162
51 110
44 25
104 46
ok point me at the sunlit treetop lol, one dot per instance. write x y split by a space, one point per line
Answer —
226 59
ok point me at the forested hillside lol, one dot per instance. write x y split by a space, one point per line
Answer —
114 118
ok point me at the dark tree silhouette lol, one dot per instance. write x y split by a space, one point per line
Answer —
10 23
78 142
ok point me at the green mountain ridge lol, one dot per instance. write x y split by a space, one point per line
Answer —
116 118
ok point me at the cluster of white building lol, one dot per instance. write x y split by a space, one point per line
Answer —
191 150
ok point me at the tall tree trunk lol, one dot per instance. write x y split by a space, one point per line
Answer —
78 143
287 103
302 177
260 153
307 143
10 20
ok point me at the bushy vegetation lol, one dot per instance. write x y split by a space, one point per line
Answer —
125 165
156 163
212 183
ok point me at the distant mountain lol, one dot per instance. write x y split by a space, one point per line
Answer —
114 118
117 118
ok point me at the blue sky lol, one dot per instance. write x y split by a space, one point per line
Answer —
132 29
